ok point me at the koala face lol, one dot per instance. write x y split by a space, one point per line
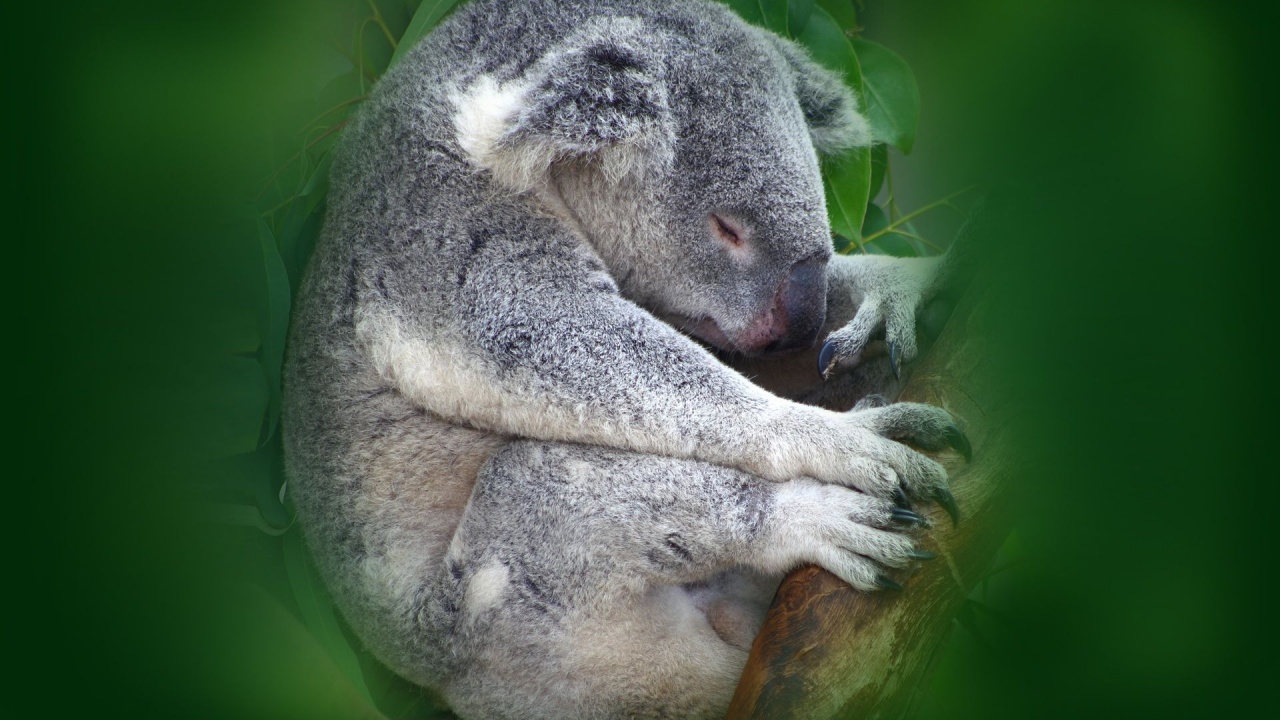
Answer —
688 157
744 233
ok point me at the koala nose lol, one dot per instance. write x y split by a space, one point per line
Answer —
803 302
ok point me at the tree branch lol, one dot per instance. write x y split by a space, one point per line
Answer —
828 651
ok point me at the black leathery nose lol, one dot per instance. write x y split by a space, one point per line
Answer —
804 301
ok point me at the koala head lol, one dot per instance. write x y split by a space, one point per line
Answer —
685 150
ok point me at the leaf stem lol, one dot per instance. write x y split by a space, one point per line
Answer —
331 130
334 109
377 18
359 66
891 227
932 245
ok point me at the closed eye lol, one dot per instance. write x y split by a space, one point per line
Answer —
727 231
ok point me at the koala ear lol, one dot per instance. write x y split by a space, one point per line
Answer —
600 98
830 107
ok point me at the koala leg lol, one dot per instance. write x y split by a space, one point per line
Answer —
589 582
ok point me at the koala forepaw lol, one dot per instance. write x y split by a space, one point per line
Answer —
855 536
886 467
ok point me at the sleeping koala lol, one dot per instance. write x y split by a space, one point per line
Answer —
524 472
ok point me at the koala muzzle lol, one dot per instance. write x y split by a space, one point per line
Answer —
794 319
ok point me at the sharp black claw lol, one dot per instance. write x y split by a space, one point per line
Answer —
922 555
905 515
948 503
887 584
825 356
900 497
895 354
957 440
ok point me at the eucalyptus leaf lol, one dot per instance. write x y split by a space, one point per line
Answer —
429 14
274 325
775 13
748 10
273 666
827 43
890 243
846 180
317 611
892 99
798 13
843 11
879 166
233 398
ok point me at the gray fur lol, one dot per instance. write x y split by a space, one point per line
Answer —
524 485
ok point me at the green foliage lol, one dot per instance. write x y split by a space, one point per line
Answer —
892 98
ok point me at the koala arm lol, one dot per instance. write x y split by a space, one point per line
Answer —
575 364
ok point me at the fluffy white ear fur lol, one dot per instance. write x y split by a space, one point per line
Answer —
831 108
848 130
487 111
484 113
516 130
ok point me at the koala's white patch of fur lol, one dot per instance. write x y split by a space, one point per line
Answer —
484 113
486 588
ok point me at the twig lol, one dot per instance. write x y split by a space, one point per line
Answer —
330 111
359 66
331 130
891 227
932 245
377 18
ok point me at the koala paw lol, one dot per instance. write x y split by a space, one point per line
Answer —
854 536
894 292
883 466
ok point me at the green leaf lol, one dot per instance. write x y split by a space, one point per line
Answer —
748 10
879 165
846 180
846 16
265 663
829 46
889 244
798 13
775 14
892 97
274 324
233 400
429 14
317 611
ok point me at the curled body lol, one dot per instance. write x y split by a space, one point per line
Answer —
523 465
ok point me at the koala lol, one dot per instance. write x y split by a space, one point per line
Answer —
524 465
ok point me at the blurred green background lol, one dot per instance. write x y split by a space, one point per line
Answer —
1137 139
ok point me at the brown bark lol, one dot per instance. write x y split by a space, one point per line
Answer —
827 651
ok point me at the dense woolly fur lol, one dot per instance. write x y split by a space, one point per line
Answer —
526 487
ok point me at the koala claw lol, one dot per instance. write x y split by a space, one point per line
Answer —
825 357
908 516
887 584
957 440
945 499
895 358
922 555
900 497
